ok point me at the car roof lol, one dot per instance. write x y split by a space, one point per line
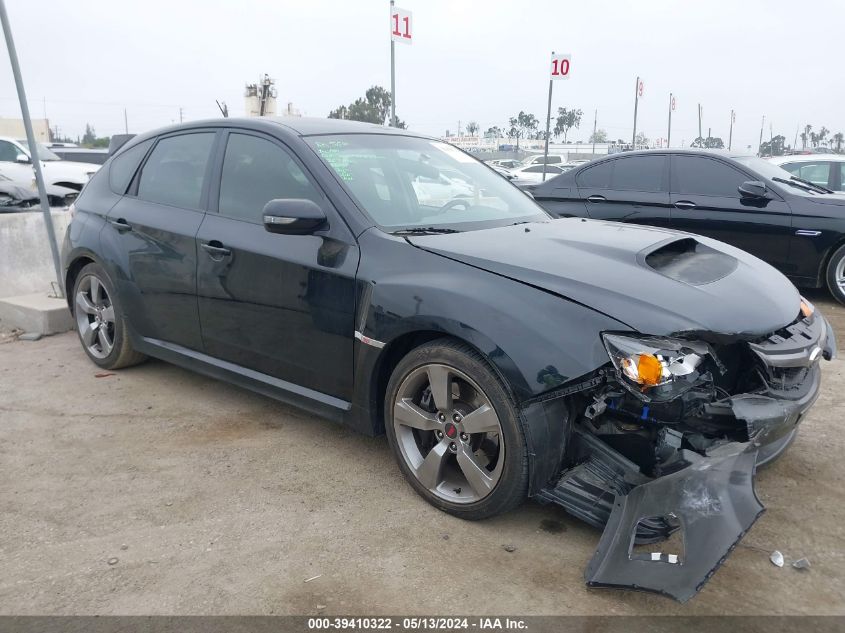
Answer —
721 153
807 158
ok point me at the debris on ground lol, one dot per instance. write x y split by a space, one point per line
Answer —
801 563
776 558
29 336
313 578
509 547
113 561
104 374
124 547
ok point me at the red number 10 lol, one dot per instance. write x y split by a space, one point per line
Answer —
396 31
561 68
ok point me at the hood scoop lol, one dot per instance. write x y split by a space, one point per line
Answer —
691 262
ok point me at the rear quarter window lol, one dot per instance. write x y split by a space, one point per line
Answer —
124 166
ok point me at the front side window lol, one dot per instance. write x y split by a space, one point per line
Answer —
816 173
256 171
405 182
174 172
8 152
699 175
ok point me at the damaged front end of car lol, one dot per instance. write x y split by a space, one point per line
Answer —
665 439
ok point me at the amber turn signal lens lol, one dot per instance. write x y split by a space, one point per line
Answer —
649 369
807 308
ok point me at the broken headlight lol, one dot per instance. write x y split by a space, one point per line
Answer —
655 368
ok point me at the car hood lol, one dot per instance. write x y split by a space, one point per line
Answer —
835 199
654 280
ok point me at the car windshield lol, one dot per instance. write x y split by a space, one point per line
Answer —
406 182
770 171
44 152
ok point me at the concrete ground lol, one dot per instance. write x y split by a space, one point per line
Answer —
156 490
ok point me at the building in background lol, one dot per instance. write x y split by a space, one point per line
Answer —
260 98
14 128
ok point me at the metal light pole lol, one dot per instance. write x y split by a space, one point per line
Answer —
595 120
33 147
731 132
392 75
699 126
636 102
548 126
760 144
669 130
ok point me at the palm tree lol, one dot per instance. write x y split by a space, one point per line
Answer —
472 128
822 134
838 138
806 135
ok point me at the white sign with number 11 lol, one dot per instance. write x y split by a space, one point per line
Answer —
400 25
561 65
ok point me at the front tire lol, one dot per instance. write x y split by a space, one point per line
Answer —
100 322
836 274
455 431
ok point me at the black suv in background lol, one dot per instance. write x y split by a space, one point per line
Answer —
794 225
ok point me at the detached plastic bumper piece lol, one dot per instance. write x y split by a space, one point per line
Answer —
713 504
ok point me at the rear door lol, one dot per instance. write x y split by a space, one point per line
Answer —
281 305
627 189
705 200
152 230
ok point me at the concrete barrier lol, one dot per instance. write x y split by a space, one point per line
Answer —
26 265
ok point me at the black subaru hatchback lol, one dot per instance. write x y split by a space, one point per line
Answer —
634 375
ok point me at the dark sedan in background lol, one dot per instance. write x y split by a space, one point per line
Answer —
795 225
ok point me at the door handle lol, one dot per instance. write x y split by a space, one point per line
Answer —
685 204
216 248
121 225
596 198
807 233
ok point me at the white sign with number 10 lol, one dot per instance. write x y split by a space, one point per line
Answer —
561 66
400 25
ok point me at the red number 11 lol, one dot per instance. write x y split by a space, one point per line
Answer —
396 31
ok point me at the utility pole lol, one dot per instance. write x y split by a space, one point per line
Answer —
760 144
771 140
636 102
699 125
33 147
731 132
392 76
180 112
669 130
125 122
548 125
595 119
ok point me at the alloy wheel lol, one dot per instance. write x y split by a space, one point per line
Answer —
448 433
94 316
839 274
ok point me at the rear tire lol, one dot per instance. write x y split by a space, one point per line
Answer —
100 321
460 446
835 274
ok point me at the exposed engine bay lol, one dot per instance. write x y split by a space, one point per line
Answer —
664 443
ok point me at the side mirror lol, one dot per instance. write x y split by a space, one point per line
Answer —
753 189
22 158
293 216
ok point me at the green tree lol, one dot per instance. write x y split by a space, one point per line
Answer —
522 125
90 136
599 136
493 132
374 107
642 139
806 135
566 120
472 128
838 138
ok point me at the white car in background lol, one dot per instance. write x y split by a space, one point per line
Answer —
825 170
16 164
537 159
534 172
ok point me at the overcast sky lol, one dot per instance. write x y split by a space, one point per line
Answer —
471 60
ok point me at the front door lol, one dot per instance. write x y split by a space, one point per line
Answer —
627 189
282 305
152 230
706 201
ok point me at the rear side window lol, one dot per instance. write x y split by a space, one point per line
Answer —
8 152
596 176
703 176
174 172
124 166
256 171
638 173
